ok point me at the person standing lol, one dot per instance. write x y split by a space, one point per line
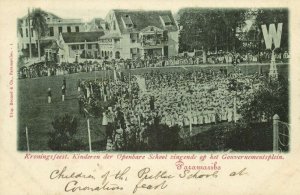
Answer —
107 126
79 85
81 105
64 82
49 96
63 92
63 89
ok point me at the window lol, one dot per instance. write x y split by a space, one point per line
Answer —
82 46
127 21
134 50
73 47
165 35
59 29
77 28
26 32
117 55
114 25
90 46
31 32
51 31
68 29
166 20
134 37
21 32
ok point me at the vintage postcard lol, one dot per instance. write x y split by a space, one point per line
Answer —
149 97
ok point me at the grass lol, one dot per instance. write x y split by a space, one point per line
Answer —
35 113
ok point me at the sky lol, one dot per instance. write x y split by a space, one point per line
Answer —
99 9
96 9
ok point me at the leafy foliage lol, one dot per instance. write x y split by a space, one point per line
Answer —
231 136
39 23
63 136
271 98
213 29
162 137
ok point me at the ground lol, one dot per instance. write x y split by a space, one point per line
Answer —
35 113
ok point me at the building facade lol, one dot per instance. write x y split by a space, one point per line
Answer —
139 34
79 45
56 25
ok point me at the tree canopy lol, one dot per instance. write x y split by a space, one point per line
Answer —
228 29
212 29
39 23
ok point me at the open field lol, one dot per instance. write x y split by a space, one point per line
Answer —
35 113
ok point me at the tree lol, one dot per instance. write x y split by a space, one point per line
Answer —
270 99
209 29
63 136
39 25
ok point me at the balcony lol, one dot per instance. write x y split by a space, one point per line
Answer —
154 43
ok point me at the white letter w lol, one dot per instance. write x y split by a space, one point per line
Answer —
272 35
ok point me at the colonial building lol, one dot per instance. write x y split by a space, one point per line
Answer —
138 33
56 25
77 45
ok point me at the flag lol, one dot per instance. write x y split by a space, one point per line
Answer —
118 76
141 83
115 76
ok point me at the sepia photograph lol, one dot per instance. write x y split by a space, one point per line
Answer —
142 80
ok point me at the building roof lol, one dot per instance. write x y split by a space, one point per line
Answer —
47 15
77 37
151 29
52 45
111 36
142 19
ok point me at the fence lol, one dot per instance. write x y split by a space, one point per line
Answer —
281 134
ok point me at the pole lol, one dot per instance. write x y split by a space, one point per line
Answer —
29 33
95 70
234 107
89 134
190 119
27 139
85 51
275 132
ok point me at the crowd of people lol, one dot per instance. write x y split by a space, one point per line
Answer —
186 99
51 68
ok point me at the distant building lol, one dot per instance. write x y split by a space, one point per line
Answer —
56 25
126 34
96 24
79 45
132 34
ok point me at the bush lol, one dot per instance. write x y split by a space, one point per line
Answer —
63 136
162 137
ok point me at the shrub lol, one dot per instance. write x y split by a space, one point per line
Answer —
63 135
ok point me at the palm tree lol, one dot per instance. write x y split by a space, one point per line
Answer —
39 25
